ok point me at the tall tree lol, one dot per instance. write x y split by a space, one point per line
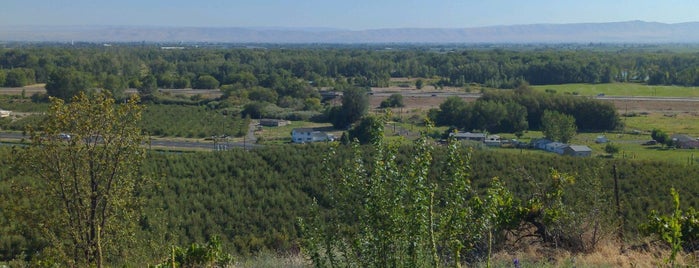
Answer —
88 155
148 87
558 126
355 104
65 83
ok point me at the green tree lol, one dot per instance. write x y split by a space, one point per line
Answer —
611 149
369 130
148 87
355 104
65 83
660 136
206 82
395 100
2 77
254 109
558 126
19 77
419 84
87 155
312 104
115 85
181 82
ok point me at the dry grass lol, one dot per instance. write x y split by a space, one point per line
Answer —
607 254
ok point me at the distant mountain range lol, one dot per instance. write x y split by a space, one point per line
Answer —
613 32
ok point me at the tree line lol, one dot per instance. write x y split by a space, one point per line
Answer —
286 70
523 109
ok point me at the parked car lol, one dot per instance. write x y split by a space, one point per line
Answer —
64 136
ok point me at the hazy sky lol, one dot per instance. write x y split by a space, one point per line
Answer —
347 14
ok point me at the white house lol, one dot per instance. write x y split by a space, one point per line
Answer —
4 113
468 136
493 140
304 135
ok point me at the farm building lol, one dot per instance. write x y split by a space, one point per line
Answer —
305 135
493 140
468 136
540 143
274 122
577 150
684 141
555 147
4 113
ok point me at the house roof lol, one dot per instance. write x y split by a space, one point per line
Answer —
303 130
542 141
580 148
467 135
555 144
682 137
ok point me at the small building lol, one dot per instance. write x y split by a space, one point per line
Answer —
684 141
540 143
305 135
274 122
577 150
555 147
493 140
4 113
468 136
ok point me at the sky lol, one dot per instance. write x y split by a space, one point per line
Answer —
347 14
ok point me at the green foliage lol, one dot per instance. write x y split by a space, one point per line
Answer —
252 199
482 115
65 83
589 113
661 137
86 156
254 109
147 87
395 100
206 82
3 75
355 104
369 130
558 127
19 77
393 217
209 255
611 148
189 121
419 84
680 230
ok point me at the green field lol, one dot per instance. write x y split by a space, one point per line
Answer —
681 123
622 89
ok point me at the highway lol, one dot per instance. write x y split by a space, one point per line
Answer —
478 95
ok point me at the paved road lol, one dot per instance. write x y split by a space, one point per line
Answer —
478 95
168 143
